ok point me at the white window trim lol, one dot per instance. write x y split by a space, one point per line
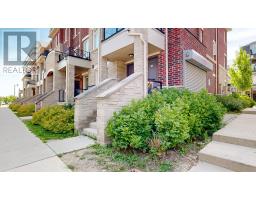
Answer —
75 33
93 40
66 35
87 38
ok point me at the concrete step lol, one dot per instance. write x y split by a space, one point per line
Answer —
229 156
249 111
93 125
90 132
206 167
240 131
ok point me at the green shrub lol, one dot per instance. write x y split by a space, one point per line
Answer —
172 125
14 106
231 103
26 110
165 119
57 119
247 101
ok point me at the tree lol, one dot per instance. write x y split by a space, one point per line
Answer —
241 72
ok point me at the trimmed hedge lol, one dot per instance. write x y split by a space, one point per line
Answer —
57 119
14 106
164 120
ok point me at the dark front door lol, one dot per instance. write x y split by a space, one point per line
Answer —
77 87
130 69
152 68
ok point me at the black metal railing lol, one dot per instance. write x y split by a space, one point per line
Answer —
61 95
154 85
161 30
78 53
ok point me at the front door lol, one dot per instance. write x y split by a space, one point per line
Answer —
152 68
77 87
130 69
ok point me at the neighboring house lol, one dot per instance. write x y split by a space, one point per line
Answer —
251 50
101 70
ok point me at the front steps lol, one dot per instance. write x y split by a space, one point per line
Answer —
233 147
91 131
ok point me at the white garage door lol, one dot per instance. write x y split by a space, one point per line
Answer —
194 77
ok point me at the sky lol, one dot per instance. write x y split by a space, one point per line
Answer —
14 75
236 38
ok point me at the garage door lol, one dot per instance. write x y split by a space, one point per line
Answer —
194 77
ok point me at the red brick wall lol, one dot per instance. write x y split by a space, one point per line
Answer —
180 39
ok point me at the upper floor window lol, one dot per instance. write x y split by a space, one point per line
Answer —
200 34
108 32
96 38
253 48
86 45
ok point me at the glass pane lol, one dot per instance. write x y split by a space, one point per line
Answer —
109 32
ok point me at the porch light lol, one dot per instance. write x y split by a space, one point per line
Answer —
131 55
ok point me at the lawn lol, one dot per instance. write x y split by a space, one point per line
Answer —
45 135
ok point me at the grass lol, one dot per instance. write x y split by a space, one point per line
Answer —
46 135
115 160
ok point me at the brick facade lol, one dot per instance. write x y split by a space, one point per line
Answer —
200 40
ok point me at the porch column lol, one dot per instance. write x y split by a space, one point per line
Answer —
103 69
141 61
70 83
112 70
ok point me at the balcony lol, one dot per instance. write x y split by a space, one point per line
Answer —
76 57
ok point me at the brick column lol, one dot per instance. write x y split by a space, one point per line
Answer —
70 83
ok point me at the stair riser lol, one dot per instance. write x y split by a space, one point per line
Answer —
228 164
233 140
89 134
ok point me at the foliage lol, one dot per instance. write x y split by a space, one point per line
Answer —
7 99
44 134
57 119
235 102
26 110
241 71
164 120
14 106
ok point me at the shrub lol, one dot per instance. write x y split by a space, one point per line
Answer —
231 103
57 119
26 110
14 107
172 125
247 101
165 119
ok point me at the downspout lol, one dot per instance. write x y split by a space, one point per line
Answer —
217 63
166 58
145 60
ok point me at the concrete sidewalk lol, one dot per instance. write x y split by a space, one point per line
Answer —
22 151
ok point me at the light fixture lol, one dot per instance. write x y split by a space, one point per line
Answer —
131 55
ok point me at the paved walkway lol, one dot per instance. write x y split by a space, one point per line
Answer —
233 147
22 151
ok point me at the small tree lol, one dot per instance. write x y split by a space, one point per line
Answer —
241 72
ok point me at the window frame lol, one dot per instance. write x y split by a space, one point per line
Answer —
117 30
96 33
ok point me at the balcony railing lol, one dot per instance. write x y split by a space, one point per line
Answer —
78 53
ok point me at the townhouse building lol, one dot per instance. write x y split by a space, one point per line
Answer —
251 50
100 70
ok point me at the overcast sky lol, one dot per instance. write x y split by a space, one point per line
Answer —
236 39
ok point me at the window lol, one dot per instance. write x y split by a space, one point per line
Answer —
86 45
253 48
108 32
200 34
66 35
96 39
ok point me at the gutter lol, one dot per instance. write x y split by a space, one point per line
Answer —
145 60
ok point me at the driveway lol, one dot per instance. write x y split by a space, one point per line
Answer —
22 151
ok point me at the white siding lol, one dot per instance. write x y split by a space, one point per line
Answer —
194 77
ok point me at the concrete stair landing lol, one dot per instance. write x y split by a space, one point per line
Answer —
233 148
